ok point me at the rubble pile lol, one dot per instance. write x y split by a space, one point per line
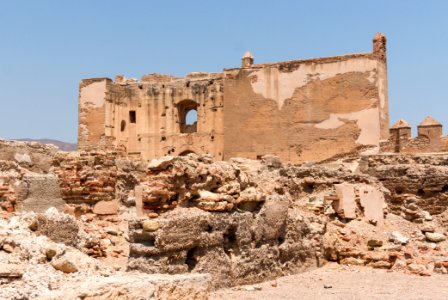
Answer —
229 219
36 266
198 181
213 223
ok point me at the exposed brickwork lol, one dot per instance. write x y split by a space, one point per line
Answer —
88 178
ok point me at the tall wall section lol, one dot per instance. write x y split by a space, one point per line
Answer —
307 110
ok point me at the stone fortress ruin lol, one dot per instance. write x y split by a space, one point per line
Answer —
290 166
300 110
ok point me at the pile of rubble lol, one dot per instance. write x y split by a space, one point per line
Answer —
40 259
198 181
240 221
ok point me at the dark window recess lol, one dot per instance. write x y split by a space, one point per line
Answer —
132 116
123 125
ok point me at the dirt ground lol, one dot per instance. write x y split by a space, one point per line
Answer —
341 282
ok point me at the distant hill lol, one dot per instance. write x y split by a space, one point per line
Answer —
61 145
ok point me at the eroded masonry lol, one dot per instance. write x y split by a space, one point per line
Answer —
300 110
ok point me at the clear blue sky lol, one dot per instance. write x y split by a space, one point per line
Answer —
46 47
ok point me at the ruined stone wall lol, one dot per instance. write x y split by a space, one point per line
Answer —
305 110
417 183
146 118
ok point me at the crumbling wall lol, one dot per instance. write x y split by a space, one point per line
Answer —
146 118
87 181
306 110
417 183
93 111
302 110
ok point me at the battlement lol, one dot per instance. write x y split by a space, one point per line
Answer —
429 138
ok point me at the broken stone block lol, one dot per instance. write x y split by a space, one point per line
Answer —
346 204
65 265
43 192
150 225
216 206
397 238
372 200
352 261
374 243
161 163
106 207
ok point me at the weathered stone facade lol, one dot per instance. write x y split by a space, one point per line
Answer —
298 110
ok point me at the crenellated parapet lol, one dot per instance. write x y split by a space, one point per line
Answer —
429 138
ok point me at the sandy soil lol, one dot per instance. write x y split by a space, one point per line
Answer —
340 282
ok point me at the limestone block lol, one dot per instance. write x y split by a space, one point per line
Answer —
372 200
106 207
346 204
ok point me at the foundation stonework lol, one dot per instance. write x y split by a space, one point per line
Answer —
301 110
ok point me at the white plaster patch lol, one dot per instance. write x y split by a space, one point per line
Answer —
365 119
279 86
93 94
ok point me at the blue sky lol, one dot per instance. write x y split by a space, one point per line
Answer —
46 47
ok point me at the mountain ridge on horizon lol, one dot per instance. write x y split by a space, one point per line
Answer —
64 146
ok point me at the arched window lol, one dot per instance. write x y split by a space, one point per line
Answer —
188 116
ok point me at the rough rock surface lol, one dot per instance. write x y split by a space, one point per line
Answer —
34 267
240 221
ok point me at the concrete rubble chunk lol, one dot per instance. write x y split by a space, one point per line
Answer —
435 237
374 243
150 225
161 163
397 238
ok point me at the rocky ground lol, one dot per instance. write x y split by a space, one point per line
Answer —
99 226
